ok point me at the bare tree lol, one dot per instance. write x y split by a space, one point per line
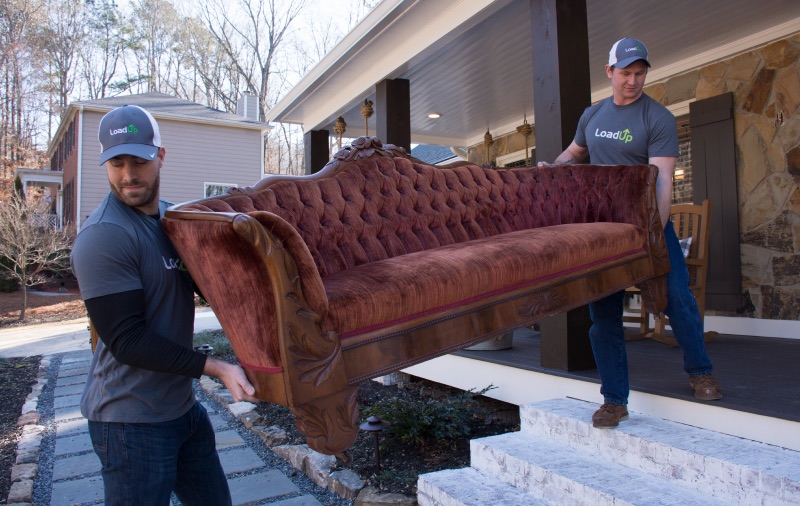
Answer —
251 33
60 41
18 20
156 25
108 38
213 72
31 249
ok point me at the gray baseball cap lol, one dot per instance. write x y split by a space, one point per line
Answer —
128 130
626 51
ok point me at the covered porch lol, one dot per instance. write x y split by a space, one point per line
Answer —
53 181
758 374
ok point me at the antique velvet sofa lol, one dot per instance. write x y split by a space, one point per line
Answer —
380 261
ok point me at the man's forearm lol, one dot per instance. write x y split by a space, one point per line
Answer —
119 319
565 158
666 166
573 154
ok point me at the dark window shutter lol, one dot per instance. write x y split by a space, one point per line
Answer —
714 177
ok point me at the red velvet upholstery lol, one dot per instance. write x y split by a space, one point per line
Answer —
385 207
380 294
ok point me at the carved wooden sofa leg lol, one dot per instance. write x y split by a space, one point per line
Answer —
330 423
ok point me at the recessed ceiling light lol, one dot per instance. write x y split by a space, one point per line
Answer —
434 115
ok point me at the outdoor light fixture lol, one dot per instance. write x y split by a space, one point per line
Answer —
434 115
679 174
206 348
374 424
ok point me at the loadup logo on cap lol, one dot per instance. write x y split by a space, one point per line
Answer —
130 129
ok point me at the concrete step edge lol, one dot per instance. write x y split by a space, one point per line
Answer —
695 457
569 475
468 487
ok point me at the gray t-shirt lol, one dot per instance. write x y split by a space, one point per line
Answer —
120 249
622 134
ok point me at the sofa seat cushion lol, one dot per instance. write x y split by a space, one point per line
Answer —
384 293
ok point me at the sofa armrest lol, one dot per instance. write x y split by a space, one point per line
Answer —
252 281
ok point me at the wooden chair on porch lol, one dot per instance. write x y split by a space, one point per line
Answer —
690 222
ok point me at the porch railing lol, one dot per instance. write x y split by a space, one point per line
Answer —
45 221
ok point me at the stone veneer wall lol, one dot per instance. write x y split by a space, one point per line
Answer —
765 82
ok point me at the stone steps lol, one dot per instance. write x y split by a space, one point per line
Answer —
737 470
559 458
564 475
468 487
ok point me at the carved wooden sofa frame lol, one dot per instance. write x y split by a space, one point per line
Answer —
380 261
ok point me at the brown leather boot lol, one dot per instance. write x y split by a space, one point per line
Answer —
705 387
609 415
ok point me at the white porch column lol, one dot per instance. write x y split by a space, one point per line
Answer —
60 207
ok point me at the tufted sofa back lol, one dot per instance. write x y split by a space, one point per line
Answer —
379 208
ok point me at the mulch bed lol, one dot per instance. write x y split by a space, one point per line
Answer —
53 307
401 462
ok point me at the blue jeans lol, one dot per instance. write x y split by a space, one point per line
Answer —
144 462
608 338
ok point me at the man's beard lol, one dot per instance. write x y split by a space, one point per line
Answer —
149 195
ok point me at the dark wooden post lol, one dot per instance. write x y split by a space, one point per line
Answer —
393 112
316 150
561 91
561 84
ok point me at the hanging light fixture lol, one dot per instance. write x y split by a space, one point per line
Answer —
526 130
488 141
339 128
366 112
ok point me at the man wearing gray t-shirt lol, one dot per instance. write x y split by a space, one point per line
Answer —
631 128
150 434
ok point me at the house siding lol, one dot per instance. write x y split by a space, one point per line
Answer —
196 153
201 153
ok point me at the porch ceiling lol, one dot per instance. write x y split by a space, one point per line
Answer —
470 60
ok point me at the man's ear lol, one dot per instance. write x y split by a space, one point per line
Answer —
162 152
609 71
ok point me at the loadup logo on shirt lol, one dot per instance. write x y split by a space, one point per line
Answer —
174 263
623 135
130 129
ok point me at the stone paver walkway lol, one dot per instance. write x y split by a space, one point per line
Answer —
73 469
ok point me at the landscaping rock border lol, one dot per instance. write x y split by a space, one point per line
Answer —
26 465
317 466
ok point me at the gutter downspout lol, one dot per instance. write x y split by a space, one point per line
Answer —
264 134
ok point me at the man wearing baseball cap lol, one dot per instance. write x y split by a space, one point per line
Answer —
150 434
631 128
